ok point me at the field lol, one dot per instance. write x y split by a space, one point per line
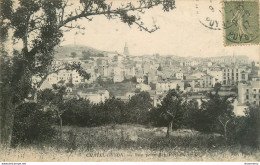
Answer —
130 143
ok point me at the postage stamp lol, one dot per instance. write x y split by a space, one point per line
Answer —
241 22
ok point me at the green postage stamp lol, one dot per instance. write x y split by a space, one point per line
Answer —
241 22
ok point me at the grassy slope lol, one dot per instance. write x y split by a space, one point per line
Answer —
131 143
65 51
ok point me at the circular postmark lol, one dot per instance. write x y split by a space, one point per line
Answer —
242 22
209 13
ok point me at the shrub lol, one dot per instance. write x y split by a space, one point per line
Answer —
76 112
31 124
245 129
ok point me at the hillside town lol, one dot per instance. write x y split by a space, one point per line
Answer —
122 75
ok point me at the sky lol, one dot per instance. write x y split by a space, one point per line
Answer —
180 33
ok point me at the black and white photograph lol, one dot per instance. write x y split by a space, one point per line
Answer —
129 81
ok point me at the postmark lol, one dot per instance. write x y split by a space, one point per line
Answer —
241 19
209 13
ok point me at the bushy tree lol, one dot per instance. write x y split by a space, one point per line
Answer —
113 111
73 54
191 113
76 112
217 113
32 124
139 107
52 100
252 127
156 118
245 129
82 112
172 108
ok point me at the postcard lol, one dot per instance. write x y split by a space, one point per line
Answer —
130 81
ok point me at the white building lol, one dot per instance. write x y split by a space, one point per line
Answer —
118 74
167 85
76 78
179 76
140 79
94 96
143 87
249 93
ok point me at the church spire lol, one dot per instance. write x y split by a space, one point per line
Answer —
126 51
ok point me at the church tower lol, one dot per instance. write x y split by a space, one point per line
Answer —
126 51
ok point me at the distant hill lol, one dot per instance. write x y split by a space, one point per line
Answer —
76 50
67 51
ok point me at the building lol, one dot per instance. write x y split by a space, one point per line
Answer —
207 81
152 78
126 50
118 74
140 78
129 71
243 60
217 76
169 84
179 76
233 75
249 93
198 74
143 87
118 78
76 78
94 96
189 63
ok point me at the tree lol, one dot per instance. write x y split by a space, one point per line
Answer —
217 87
153 86
32 124
77 112
191 113
39 25
114 111
53 101
244 130
139 107
86 55
249 133
218 111
159 68
146 80
172 108
73 54
133 79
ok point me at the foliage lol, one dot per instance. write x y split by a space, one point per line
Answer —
252 127
146 80
32 124
73 54
86 55
159 68
216 113
133 79
156 118
139 107
173 107
245 129
153 86
76 112
81 112
191 114
113 111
